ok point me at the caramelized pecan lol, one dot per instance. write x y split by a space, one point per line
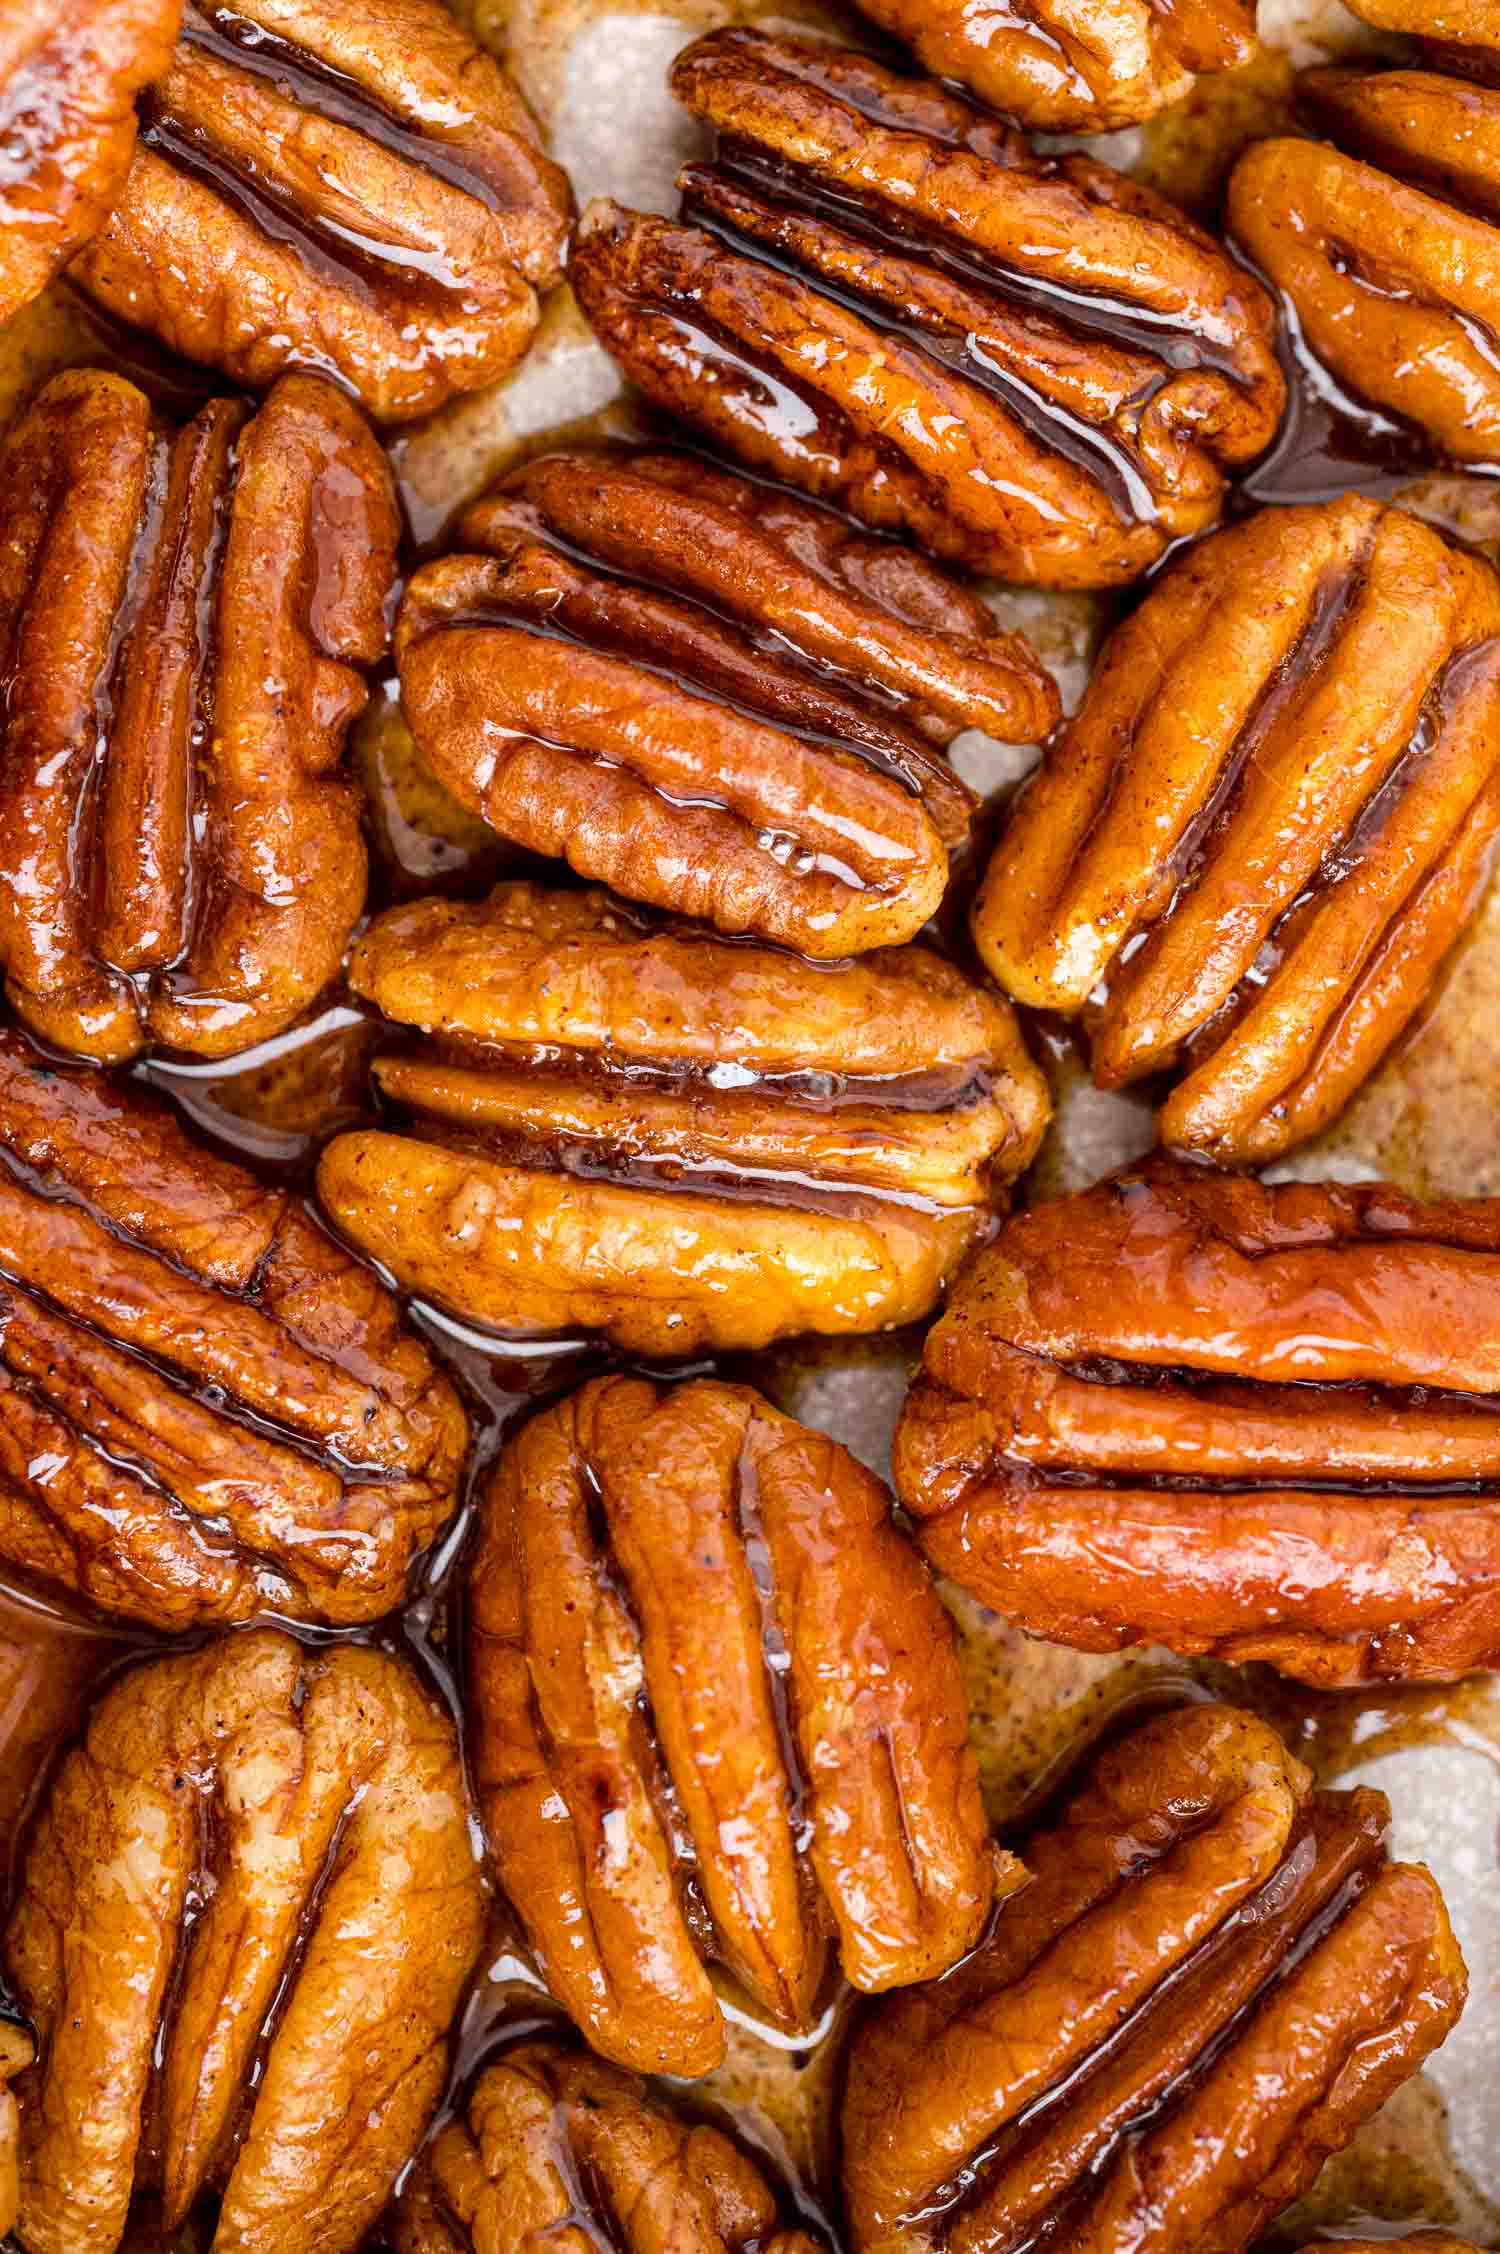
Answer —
358 192
671 1138
183 616
1178 1408
1459 23
1212 1979
1247 854
245 1919
711 694
717 1718
209 1409
885 296
1424 2242
17 2052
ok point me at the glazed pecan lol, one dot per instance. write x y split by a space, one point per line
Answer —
717 1718
209 1409
1465 32
1179 1407
710 693
675 1139
557 2144
17 2052
884 295
183 616
1212 1979
280 1967
1247 854
1424 2242
353 191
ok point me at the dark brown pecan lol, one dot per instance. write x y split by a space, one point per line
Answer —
675 1139
1212 1979
711 694
1178 1408
245 1918
358 192
1247 855
209 1409
717 1719
183 617
885 296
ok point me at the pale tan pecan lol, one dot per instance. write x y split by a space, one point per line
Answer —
1179 1408
207 1408
183 619
885 296
17 2052
245 1918
717 1718
1212 1979
1248 853
353 191
675 1139
711 694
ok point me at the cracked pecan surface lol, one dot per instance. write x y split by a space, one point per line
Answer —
1247 855
209 1409
711 694
184 616
717 1719
675 1139
1034 365
355 192
1189 1408
1213 1977
246 1915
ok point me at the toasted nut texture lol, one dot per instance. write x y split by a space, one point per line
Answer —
68 82
710 693
356 191
17 2051
884 295
670 1138
1177 1408
207 1408
246 1916
1212 1979
1459 23
183 619
1247 854
560 2149
717 1717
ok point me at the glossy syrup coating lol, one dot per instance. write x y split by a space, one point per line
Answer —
1189 1408
245 1917
710 694
883 295
1247 854
716 1718
358 192
1213 1978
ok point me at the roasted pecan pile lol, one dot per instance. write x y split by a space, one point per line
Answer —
674 1139
716 1718
1247 854
1214 1976
207 1408
710 694
1189 1408
355 191
558 2144
262 2008
183 617
882 294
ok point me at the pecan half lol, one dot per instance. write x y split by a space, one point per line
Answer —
675 1139
209 1409
1177 1407
17 2052
1247 854
717 1718
357 192
1212 1979
183 617
711 694
282 1964
885 296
